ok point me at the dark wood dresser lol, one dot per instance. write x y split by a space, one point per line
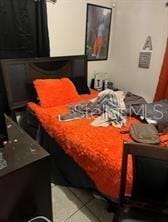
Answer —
25 190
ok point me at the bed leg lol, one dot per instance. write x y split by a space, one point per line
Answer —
112 207
39 134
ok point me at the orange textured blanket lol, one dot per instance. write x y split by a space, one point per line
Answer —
97 150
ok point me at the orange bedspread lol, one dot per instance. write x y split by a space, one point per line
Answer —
97 150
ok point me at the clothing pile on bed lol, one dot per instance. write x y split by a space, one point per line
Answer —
110 106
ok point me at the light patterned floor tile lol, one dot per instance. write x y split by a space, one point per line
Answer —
99 208
82 194
65 203
83 215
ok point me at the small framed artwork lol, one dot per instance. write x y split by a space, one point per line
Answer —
98 23
144 60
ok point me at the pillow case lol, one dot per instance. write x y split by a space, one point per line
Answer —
55 92
80 84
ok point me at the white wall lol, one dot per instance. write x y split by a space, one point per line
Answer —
134 21
67 25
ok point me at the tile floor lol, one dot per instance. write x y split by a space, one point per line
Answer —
78 205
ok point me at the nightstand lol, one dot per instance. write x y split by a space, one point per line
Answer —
25 190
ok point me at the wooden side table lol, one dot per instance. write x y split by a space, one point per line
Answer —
25 190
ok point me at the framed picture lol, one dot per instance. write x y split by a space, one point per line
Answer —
98 24
144 60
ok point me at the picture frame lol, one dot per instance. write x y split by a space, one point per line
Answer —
98 24
144 60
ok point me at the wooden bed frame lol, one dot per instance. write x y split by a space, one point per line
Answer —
17 73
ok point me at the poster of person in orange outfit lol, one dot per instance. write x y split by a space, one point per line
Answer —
97 32
99 41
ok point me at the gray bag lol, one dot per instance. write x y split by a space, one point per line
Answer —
144 133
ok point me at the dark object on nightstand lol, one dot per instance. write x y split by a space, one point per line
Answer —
92 83
110 85
148 201
25 190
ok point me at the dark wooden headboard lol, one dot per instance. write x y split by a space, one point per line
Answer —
17 73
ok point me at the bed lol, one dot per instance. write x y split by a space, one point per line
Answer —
89 157
17 75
